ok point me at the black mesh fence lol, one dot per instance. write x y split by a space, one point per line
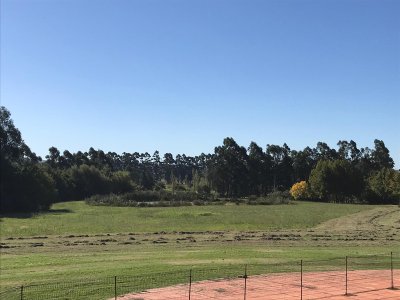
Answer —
377 268
305 279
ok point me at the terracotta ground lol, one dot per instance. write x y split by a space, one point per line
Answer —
366 285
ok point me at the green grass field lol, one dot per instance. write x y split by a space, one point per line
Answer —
75 241
80 218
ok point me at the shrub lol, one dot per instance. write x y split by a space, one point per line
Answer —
122 183
198 202
300 190
252 198
180 198
276 197
159 186
147 198
180 187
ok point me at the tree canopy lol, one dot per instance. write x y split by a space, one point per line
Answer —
348 173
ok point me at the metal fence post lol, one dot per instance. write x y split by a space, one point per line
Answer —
346 276
190 283
301 279
115 287
245 282
391 269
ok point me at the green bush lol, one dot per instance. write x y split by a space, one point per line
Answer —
273 198
181 198
159 186
147 198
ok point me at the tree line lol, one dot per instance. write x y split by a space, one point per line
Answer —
345 174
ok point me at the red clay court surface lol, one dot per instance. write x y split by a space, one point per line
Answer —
366 285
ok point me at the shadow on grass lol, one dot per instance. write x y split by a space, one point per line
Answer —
27 215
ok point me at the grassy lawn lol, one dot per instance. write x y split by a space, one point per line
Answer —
79 243
64 265
80 218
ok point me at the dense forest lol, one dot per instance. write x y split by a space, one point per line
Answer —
344 174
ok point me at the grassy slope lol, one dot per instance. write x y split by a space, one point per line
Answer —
77 217
57 261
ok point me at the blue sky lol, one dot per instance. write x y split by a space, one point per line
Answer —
178 76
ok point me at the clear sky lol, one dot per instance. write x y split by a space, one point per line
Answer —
178 76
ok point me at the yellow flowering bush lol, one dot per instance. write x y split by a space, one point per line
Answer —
299 190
